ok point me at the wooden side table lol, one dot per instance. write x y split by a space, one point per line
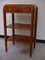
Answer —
26 9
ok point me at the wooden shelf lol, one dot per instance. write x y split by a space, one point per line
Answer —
20 26
20 38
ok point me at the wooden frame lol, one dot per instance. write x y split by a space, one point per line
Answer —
26 9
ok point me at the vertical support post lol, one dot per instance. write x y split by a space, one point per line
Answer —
32 23
5 30
13 28
36 15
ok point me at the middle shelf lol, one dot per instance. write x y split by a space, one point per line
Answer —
20 26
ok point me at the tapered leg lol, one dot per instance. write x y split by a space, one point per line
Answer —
13 38
34 43
31 48
6 43
13 28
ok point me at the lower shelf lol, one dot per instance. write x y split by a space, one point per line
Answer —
20 38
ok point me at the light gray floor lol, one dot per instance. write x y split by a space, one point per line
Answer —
21 51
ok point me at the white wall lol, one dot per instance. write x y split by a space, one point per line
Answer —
41 15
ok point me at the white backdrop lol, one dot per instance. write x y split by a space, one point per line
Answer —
41 16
